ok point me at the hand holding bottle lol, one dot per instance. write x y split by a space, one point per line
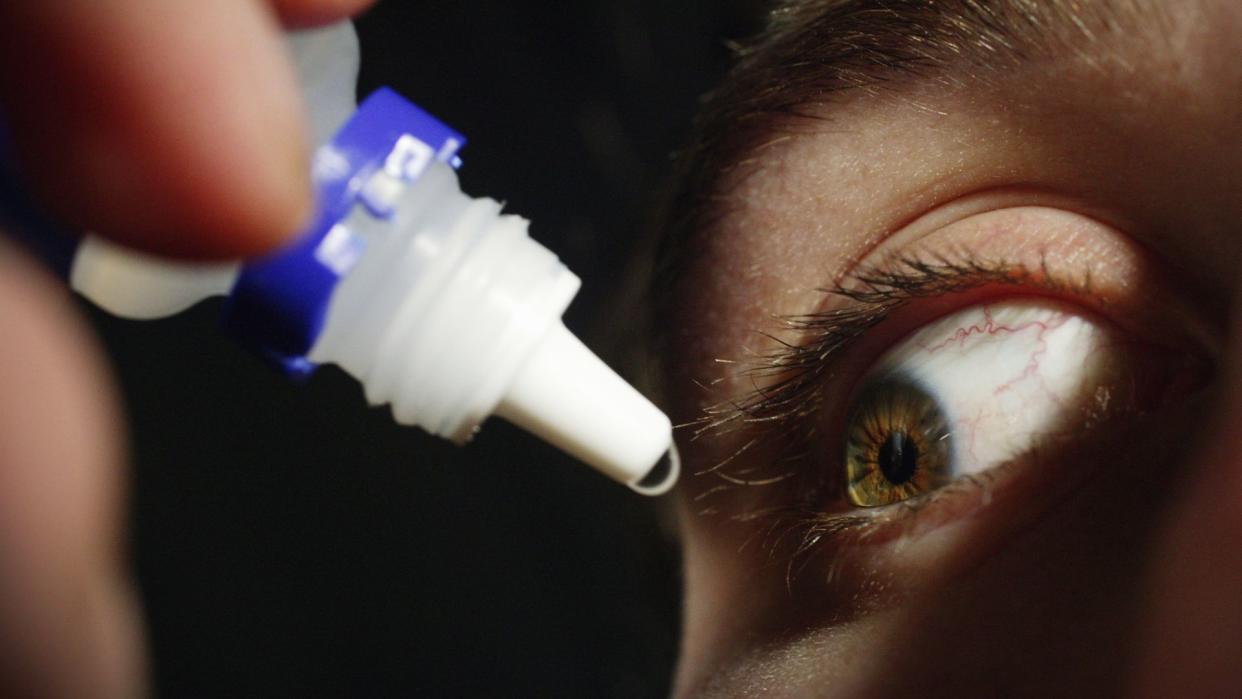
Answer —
125 115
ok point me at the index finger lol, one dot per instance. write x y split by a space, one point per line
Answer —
170 126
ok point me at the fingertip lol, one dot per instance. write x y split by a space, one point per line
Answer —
187 140
68 622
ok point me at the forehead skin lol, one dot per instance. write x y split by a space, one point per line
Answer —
1141 130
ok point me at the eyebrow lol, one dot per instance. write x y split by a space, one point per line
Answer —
819 52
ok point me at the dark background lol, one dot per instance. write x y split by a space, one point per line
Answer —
289 540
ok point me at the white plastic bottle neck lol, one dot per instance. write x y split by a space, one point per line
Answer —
448 299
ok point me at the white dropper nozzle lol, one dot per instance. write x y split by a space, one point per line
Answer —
571 399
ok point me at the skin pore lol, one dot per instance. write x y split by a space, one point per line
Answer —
1108 166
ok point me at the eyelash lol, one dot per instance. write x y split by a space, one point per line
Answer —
789 388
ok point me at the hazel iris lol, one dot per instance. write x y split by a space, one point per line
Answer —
897 443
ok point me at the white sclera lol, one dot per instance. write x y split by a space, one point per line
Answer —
1005 374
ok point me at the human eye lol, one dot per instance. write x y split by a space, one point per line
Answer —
928 379
977 389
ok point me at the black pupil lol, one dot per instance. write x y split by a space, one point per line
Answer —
899 456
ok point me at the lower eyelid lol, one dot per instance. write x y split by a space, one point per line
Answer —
882 554
1035 471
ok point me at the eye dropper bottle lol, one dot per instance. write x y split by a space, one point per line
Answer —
438 303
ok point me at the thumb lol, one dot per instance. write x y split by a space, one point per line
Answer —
68 625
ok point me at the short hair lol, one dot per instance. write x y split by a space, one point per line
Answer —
812 52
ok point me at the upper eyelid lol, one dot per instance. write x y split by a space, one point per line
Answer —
796 367
954 206
913 263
